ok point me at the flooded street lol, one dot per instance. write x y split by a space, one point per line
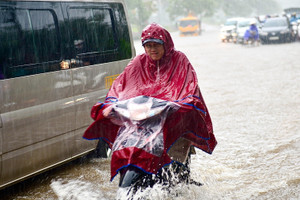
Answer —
253 95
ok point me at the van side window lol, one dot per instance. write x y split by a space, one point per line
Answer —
9 39
93 34
45 36
30 42
38 37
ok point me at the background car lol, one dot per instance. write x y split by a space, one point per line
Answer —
228 29
277 29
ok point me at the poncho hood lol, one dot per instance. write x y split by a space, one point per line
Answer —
155 31
170 78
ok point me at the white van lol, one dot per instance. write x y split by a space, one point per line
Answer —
57 58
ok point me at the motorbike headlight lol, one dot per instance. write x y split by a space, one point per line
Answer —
284 31
263 33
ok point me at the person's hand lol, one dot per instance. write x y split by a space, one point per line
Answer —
107 111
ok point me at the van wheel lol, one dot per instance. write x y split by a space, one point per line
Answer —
101 149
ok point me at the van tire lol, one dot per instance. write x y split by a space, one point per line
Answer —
101 149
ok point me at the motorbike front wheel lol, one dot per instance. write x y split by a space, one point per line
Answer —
134 177
169 175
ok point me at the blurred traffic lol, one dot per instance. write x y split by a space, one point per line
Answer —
189 25
263 29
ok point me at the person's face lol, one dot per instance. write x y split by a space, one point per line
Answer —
154 50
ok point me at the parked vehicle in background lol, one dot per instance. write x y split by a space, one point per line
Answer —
57 58
190 25
242 26
276 29
228 30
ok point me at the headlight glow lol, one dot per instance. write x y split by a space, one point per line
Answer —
263 33
284 31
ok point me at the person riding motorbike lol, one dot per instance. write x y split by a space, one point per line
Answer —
166 74
251 35
294 18
294 21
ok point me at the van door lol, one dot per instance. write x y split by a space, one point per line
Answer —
102 44
38 112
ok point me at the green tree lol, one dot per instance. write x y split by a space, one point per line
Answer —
197 7
234 8
139 12
265 7
248 7
207 8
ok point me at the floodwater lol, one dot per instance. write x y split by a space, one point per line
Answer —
253 95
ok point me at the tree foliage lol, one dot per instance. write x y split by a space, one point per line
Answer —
139 12
248 7
207 8
197 7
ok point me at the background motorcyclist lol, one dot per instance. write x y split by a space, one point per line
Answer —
294 21
251 34
293 18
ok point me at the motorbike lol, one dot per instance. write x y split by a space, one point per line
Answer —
251 38
295 30
138 151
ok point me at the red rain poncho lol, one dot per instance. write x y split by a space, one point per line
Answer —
172 78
